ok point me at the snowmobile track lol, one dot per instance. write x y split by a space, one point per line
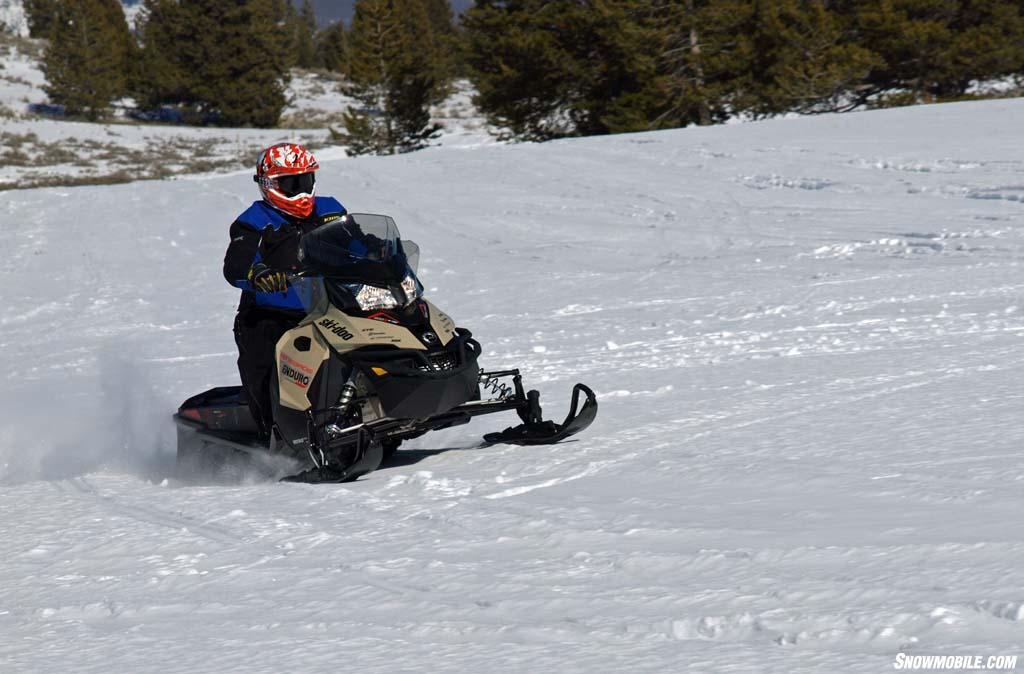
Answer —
150 515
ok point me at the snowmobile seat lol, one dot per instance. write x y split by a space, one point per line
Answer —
224 408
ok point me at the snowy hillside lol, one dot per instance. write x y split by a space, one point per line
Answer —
37 149
807 339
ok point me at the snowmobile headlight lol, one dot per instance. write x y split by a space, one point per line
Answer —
411 287
371 298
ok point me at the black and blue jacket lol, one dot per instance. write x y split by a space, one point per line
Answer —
279 234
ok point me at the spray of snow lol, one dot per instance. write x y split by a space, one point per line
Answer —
114 420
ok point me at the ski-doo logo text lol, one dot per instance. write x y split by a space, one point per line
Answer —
955 662
337 328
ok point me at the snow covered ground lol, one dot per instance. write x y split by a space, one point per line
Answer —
807 339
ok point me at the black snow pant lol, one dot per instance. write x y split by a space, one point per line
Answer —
257 332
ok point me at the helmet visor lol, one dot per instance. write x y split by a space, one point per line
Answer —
294 185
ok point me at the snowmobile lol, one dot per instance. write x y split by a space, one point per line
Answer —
372 364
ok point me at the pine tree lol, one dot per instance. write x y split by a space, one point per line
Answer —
332 47
392 76
807 60
441 17
304 31
934 49
565 67
549 68
623 88
221 62
87 58
446 44
912 37
169 69
988 43
40 15
708 60
248 77
513 66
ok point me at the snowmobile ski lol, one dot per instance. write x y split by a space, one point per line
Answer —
536 431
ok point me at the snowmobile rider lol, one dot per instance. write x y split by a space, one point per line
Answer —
263 250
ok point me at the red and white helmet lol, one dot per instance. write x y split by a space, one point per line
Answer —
285 174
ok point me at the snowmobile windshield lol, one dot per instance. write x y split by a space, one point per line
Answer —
360 262
360 248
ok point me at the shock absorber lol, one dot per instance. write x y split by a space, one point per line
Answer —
498 389
345 398
348 392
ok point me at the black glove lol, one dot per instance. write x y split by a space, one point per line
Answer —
263 278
